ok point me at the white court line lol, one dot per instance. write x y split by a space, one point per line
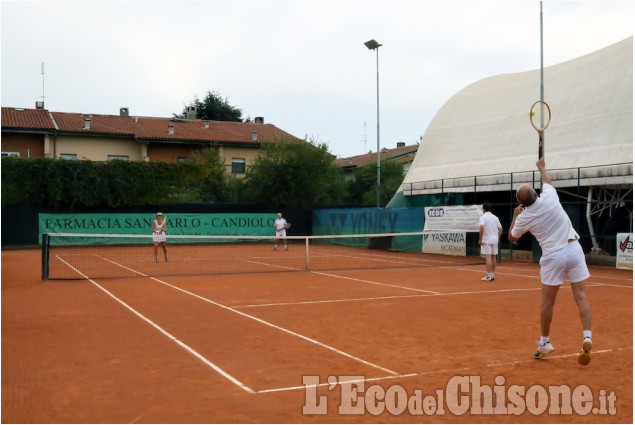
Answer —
608 284
166 333
280 328
432 372
375 283
538 276
273 265
338 382
391 297
499 266
306 338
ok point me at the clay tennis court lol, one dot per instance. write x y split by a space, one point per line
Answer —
235 347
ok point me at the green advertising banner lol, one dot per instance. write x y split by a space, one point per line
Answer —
178 224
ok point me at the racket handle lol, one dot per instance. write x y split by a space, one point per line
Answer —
540 150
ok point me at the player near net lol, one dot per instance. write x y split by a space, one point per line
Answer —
280 226
159 228
562 255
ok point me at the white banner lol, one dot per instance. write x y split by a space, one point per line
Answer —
624 258
446 243
462 218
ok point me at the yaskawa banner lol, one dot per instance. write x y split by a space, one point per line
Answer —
462 218
624 257
240 224
446 243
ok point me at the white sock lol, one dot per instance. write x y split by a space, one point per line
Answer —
544 340
586 334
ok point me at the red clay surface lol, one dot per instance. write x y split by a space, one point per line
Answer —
235 347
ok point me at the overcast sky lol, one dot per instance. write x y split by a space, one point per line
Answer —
301 65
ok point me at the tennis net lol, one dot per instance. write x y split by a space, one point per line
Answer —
82 256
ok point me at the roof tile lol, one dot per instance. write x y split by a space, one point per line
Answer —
144 128
27 119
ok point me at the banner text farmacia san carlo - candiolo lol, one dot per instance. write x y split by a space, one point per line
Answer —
178 224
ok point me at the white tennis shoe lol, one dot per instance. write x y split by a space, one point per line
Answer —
543 350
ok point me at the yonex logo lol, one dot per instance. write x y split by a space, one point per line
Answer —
436 212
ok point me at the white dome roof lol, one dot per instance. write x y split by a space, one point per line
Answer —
484 129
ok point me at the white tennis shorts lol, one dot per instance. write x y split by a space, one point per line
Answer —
281 233
568 261
489 249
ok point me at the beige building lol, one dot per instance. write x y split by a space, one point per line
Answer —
41 133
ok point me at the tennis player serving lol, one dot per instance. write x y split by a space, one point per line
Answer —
562 255
159 227
280 226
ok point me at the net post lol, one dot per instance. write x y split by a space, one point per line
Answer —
45 256
306 263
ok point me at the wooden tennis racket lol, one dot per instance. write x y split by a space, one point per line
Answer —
540 117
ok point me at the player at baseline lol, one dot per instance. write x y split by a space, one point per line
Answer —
159 227
562 255
490 231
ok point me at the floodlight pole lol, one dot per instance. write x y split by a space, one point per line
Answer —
374 45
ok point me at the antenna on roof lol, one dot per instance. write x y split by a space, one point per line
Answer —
364 136
40 103
42 69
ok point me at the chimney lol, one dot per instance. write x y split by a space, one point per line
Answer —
205 124
86 123
401 144
124 112
170 128
39 104
190 114
259 120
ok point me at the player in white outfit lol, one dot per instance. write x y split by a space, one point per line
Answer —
562 256
280 226
159 227
490 231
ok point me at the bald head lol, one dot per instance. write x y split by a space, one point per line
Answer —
526 195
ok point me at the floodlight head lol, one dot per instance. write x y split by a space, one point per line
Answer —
372 44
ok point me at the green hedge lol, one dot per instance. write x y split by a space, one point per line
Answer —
63 183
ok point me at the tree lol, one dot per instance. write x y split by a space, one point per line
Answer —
213 107
295 173
212 186
363 188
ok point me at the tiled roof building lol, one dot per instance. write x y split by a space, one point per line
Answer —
402 153
97 137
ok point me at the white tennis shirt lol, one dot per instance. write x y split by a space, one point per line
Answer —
279 224
490 224
159 228
547 221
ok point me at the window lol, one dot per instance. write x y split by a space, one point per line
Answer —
118 157
70 156
238 165
185 159
10 154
